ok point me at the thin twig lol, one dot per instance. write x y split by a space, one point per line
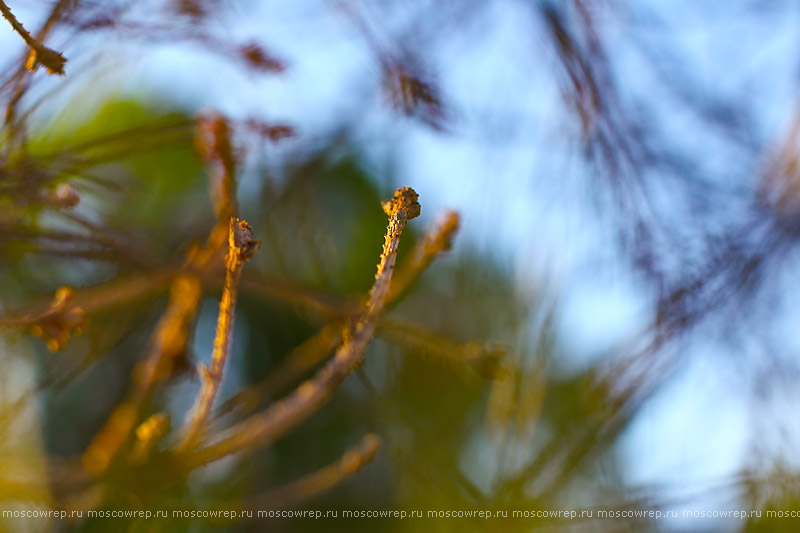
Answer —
308 397
95 298
437 240
241 248
314 484
20 81
40 55
315 349
213 138
17 25
171 335
168 345
301 360
471 358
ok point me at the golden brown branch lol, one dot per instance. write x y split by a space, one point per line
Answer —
168 345
241 248
95 298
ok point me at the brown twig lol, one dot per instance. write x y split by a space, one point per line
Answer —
308 397
20 81
473 357
40 55
241 248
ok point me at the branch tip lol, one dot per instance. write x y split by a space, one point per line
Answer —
51 60
240 240
404 198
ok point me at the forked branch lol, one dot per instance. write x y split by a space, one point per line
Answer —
308 397
313 351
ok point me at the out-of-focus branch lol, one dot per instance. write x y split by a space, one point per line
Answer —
168 345
317 303
305 300
23 491
55 323
437 240
314 484
148 433
97 297
478 357
308 397
470 359
57 319
301 490
213 140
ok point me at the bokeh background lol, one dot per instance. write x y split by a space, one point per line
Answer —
613 329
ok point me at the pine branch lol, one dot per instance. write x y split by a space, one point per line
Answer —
168 344
241 248
308 397
40 55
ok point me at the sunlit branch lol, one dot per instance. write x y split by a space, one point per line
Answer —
315 349
308 397
241 248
